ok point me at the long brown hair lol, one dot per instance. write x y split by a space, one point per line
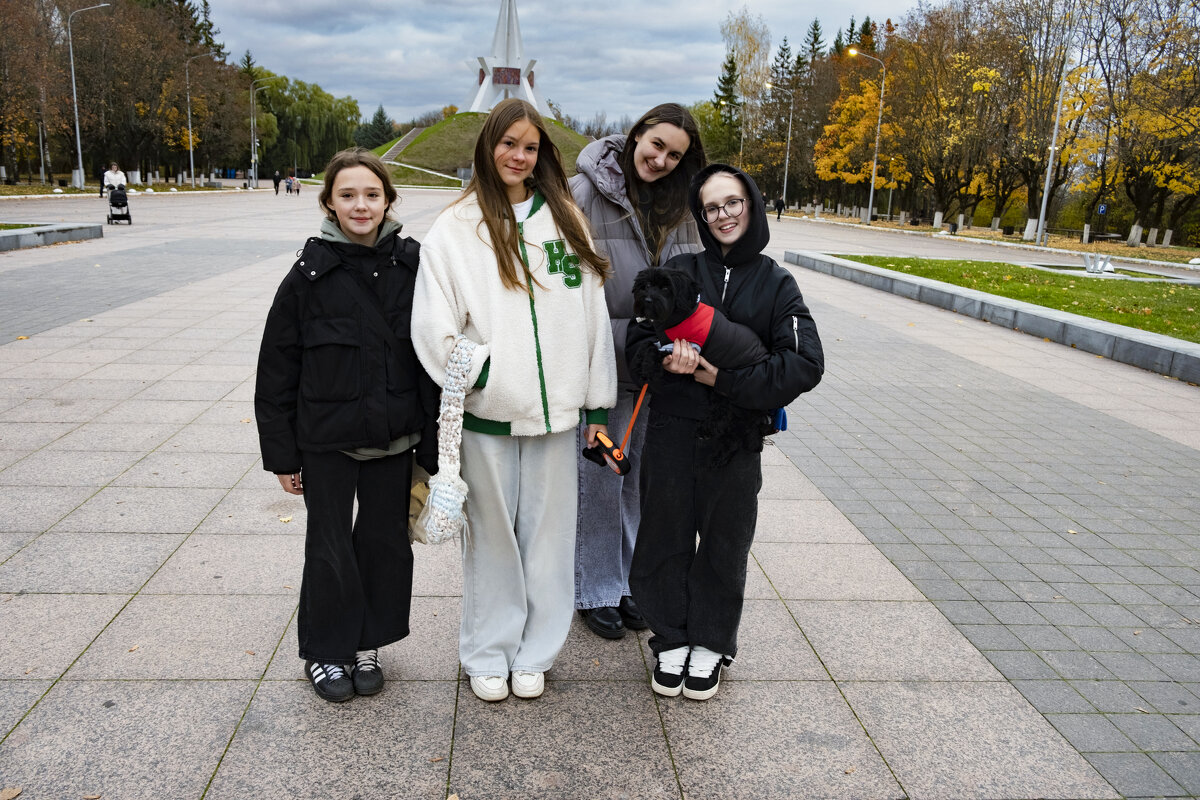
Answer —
355 157
668 206
548 178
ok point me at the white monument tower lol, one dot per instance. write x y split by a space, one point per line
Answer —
505 73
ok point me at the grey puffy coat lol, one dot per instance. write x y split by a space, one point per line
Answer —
599 190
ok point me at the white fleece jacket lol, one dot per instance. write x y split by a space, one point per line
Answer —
548 357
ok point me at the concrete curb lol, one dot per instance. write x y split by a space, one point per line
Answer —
51 233
1151 351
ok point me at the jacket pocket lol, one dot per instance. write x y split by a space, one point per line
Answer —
331 367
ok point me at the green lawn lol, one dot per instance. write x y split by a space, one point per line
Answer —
415 177
1169 309
8 226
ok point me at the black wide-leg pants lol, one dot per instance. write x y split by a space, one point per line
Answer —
693 594
357 584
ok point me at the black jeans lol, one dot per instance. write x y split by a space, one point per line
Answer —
689 594
357 584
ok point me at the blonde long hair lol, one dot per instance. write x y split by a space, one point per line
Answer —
548 177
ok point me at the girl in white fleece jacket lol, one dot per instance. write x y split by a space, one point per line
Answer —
511 266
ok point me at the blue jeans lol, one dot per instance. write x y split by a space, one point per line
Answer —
609 511
693 594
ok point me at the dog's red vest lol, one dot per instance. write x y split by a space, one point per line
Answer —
696 327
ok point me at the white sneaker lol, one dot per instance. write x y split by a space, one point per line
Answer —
528 684
489 687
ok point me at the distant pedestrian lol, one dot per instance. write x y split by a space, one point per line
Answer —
341 401
277 178
288 184
779 206
114 177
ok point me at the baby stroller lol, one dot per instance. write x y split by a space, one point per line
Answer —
118 205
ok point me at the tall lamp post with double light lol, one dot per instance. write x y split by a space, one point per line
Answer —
188 78
787 148
252 178
74 97
878 124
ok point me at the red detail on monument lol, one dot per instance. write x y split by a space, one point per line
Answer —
530 80
482 76
506 76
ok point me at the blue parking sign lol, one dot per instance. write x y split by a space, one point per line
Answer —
1103 209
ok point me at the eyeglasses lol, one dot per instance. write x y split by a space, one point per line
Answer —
732 208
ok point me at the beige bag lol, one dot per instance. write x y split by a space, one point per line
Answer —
418 495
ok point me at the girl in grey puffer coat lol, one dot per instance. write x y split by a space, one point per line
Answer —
633 189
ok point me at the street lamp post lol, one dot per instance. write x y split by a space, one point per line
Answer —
74 97
1041 236
188 76
878 124
787 148
253 176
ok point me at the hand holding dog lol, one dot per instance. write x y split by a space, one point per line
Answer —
683 358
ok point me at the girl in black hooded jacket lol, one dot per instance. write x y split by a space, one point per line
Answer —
691 595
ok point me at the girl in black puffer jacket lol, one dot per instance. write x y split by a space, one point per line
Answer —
341 402
691 595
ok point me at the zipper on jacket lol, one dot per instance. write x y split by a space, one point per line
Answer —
796 332
725 288
537 342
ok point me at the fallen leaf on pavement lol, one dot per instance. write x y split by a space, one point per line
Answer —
10 792
850 770
595 662
1071 531
21 338
250 653
285 519
135 647
1139 708
1137 633
435 760
91 797
247 419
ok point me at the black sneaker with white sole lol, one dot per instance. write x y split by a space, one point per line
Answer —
329 681
366 674
667 678
703 673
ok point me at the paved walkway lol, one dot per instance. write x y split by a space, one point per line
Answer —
974 577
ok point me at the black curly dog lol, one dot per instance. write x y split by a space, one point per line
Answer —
669 298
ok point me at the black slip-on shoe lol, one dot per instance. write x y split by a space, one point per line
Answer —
630 615
604 622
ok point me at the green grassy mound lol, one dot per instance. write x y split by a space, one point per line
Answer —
450 144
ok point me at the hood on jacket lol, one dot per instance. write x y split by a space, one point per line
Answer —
330 231
757 234
600 162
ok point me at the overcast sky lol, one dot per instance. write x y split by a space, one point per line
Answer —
617 56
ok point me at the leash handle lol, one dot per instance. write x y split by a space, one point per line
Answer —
633 419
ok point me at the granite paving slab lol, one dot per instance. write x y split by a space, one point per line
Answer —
12 541
804 521
821 752
124 739
257 511
803 570
232 565
42 634
188 470
129 509
888 641
289 738
16 698
188 637
68 468
546 753
38 507
81 563
977 740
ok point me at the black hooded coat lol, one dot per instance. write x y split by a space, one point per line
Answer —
754 291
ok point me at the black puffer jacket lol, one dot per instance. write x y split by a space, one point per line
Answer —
753 291
327 380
